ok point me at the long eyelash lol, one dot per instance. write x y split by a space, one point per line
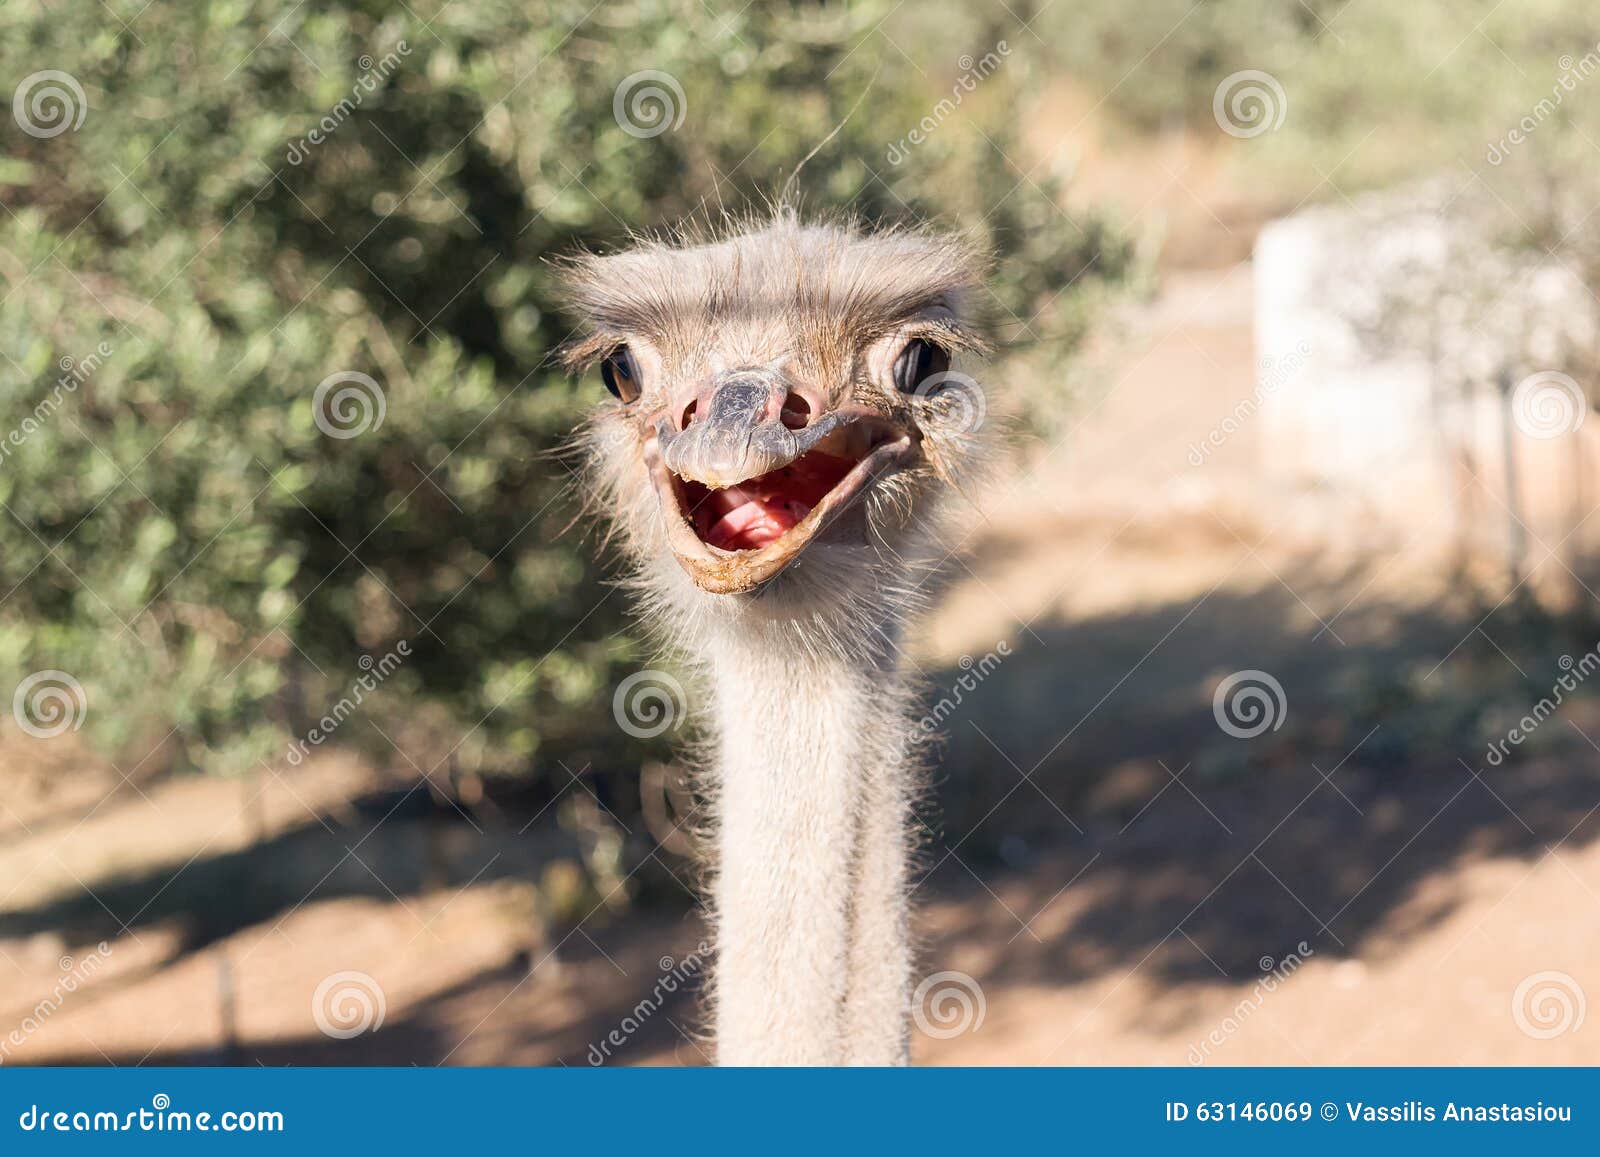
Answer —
945 332
584 353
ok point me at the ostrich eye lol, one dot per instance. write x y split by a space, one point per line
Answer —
918 362
621 374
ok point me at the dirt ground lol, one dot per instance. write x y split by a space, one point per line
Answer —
1136 887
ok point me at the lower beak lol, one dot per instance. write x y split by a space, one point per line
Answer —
732 538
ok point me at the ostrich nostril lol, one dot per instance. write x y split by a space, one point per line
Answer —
796 412
687 416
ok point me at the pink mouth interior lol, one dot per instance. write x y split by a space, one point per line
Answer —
762 510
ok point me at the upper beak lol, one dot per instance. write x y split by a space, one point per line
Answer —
738 434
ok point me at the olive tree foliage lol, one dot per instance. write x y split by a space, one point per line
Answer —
265 197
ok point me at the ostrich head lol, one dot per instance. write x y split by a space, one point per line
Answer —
787 408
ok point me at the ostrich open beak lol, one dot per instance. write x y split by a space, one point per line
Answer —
743 493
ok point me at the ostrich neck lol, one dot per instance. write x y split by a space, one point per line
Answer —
812 796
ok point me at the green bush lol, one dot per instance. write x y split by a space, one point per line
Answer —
264 193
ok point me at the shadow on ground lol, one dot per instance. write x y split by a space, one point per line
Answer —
1092 756
1087 800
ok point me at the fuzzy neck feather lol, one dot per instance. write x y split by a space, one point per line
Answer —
812 792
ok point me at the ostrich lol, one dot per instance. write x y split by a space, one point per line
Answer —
778 460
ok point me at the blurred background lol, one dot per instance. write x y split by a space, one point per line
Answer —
1264 671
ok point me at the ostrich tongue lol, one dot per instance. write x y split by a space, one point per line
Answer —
761 510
